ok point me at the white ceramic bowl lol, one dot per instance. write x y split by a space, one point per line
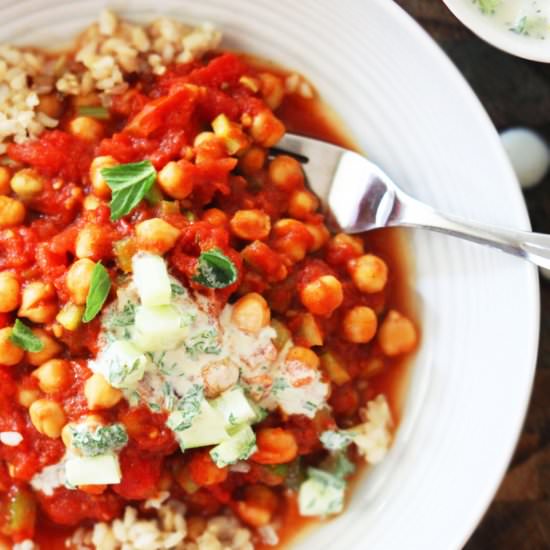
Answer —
406 105
497 34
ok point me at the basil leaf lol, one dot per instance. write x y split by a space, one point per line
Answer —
129 183
215 269
23 337
93 111
100 286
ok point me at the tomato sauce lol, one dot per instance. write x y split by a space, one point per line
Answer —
163 119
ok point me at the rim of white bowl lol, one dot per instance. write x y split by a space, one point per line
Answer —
485 498
502 38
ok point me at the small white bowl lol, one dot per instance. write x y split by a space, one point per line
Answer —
499 35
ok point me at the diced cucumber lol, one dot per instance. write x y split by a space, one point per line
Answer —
93 470
235 408
239 447
207 427
124 364
335 440
151 279
322 494
158 328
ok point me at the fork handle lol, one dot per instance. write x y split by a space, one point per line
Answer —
534 247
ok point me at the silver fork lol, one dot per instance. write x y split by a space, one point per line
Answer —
359 196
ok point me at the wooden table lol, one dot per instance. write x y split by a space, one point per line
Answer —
514 92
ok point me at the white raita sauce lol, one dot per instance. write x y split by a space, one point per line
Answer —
529 18
216 355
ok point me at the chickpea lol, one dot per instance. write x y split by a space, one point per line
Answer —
99 185
9 292
92 242
5 178
251 313
231 134
286 173
291 238
38 302
275 446
304 356
253 160
10 354
204 471
54 375
78 279
302 204
156 235
47 417
251 225
272 90
27 396
369 273
323 295
27 183
397 334
174 182
258 506
100 394
69 317
266 129
359 325
342 248
50 105
86 128
12 212
49 351
215 216
319 234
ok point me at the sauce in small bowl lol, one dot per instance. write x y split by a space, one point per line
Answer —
520 27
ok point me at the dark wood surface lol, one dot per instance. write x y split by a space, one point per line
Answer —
514 92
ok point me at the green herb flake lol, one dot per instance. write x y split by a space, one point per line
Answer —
129 184
215 269
177 290
100 286
488 6
97 442
335 440
94 111
23 337
189 406
204 342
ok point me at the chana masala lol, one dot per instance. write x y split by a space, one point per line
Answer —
189 359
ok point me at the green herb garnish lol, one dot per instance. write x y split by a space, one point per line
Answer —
488 6
97 442
129 184
215 269
23 337
94 111
335 440
99 290
189 406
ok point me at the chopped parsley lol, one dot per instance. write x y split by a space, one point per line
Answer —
177 290
335 440
102 440
189 406
204 342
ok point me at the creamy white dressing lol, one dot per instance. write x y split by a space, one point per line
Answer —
525 17
211 351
